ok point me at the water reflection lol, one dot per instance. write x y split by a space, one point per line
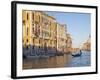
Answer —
57 61
83 60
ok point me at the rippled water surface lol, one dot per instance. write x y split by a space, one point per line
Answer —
58 61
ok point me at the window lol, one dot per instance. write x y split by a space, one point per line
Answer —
33 40
27 43
33 30
27 40
27 16
24 22
42 19
27 47
33 44
39 18
39 47
32 23
33 16
27 30
50 42
39 41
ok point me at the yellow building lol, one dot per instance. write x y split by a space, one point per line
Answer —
87 44
49 32
26 28
53 33
39 32
61 38
42 34
68 43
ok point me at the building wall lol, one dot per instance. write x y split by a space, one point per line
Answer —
39 30
61 38
87 44
42 31
53 33
26 28
45 30
68 44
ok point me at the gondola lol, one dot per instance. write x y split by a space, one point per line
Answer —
78 54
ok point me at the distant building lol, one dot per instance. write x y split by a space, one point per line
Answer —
75 49
87 45
68 43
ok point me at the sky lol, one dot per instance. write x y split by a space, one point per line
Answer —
78 25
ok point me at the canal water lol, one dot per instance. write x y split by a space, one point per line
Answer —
67 60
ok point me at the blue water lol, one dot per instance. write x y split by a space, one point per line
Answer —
58 61
81 61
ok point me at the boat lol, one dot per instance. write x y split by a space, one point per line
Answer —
77 54
59 54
